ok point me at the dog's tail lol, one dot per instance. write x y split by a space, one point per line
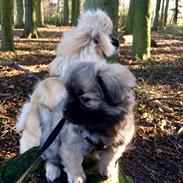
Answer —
55 67
28 112
23 116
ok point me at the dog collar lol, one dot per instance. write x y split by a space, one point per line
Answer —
98 144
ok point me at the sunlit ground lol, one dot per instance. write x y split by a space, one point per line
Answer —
157 150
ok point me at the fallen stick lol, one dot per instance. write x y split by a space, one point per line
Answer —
5 94
16 66
159 98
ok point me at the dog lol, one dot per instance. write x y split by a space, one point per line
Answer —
91 40
48 92
98 108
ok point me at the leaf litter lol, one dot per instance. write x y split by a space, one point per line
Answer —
156 153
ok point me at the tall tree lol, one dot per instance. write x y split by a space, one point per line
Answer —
156 18
0 11
58 21
39 13
142 29
176 12
66 13
75 11
30 28
166 13
162 13
111 7
20 13
130 18
7 25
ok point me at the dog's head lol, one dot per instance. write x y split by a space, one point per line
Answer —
100 27
98 95
93 32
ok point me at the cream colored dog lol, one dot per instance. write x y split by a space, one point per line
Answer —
91 40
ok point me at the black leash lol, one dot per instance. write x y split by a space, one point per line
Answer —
47 143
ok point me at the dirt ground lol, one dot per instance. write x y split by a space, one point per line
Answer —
156 153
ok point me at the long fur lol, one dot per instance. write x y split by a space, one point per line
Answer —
98 105
48 92
91 40
80 44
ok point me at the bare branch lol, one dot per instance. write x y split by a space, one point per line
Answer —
15 65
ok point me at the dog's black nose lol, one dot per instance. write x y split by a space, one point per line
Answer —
114 42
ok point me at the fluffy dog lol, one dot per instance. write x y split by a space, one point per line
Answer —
98 108
48 92
91 40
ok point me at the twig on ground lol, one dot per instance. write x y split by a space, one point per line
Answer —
180 130
8 97
159 98
4 117
176 147
15 65
164 107
8 128
154 140
149 169
5 94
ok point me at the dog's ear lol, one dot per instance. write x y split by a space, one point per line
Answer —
116 82
110 88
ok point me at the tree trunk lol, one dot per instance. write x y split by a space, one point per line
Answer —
7 25
175 18
39 13
142 29
166 13
20 13
162 14
30 29
110 7
0 11
14 168
58 21
75 11
66 13
156 18
130 18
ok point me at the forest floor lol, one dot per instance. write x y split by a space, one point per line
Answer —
156 154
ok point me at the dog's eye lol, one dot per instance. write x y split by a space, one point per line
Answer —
84 99
95 41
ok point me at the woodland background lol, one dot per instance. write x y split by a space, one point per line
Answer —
30 31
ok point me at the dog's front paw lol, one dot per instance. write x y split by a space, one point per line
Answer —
52 172
107 171
76 178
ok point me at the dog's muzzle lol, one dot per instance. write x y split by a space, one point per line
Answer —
114 42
